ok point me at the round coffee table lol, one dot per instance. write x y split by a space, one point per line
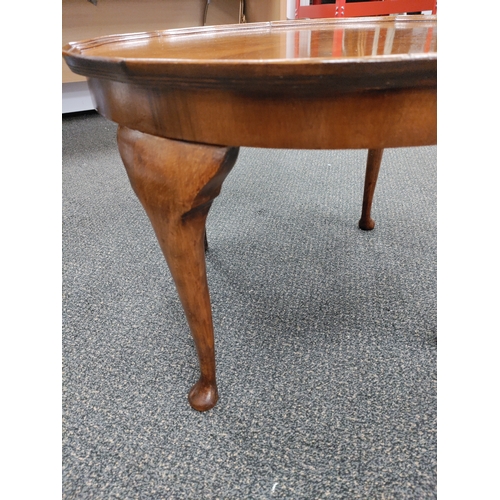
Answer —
185 100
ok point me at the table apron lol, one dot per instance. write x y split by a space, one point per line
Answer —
342 120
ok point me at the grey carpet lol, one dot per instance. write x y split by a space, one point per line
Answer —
325 334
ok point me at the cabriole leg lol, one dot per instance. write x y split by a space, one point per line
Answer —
372 168
176 183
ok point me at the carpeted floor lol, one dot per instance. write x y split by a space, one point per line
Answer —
325 334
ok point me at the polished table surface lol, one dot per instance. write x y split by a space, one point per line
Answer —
187 99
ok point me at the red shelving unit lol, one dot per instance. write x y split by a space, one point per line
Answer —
341 8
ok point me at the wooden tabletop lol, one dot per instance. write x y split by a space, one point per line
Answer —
359 83
399 49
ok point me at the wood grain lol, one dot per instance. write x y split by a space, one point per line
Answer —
220 85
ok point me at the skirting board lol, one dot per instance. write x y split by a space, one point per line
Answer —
76 97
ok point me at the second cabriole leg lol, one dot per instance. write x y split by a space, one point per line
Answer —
176 183
372 169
